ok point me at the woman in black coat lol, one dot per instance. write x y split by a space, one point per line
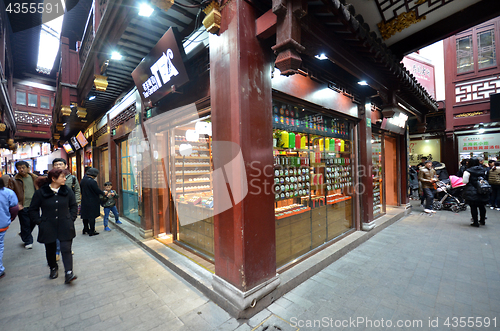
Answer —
471 195
91 203
57 219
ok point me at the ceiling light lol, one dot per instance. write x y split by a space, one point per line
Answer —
116 56
322 56
481 128
145 10
363 82
92 97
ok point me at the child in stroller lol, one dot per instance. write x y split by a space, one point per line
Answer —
449 195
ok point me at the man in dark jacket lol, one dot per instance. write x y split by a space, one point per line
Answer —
471 195
24 186
91 207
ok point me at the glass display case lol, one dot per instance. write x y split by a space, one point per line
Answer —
313 183
377 175
192 185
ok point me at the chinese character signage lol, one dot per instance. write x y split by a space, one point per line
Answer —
423 72
430 148
479 143
161 69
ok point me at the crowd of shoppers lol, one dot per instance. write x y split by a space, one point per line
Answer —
51 201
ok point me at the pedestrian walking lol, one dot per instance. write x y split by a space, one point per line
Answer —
108 201
8 212
471 195
463 167
72 183
24 185
57 220
91 207
427 177
494 180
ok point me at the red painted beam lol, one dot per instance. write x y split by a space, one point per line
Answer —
265 25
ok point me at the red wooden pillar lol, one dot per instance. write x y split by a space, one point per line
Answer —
365 189
241 100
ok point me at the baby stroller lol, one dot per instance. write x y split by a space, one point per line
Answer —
449 195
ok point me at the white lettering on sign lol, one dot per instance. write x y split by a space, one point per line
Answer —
163 68
399 120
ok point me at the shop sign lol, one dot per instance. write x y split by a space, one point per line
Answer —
479 143
430 148
423 73
161 70
148 113
396 123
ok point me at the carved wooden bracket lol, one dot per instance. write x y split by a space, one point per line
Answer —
288 34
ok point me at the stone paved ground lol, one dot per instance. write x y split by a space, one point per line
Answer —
418 269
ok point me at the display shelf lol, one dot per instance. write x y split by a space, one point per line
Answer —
193 165
194 173
192 157
192 182
193 190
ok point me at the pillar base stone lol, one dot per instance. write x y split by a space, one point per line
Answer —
367 226
243 300
145 233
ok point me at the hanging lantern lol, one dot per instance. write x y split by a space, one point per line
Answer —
59 127
81 112
213 18
163 4
100 82
65 110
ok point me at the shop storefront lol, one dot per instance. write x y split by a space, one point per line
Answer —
486 146
313 162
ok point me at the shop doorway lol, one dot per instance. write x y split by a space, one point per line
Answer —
129 188
391 170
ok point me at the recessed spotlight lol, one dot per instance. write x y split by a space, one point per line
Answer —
481 128
363 82
321 56
145 10
92 97
116 56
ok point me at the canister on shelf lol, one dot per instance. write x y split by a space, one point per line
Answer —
291 140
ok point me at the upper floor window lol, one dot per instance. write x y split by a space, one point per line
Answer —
32 100
44 102
21 98
476 50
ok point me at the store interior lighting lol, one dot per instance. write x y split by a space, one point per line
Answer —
363 83
321 56
481 128
116 56
145 10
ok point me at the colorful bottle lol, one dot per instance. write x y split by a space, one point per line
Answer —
342 145
284 139
291 140
303 142
327 144
332 144
321 142
297 141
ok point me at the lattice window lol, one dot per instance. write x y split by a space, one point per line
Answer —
32 118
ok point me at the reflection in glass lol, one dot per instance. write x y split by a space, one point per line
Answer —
486 53
465 61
